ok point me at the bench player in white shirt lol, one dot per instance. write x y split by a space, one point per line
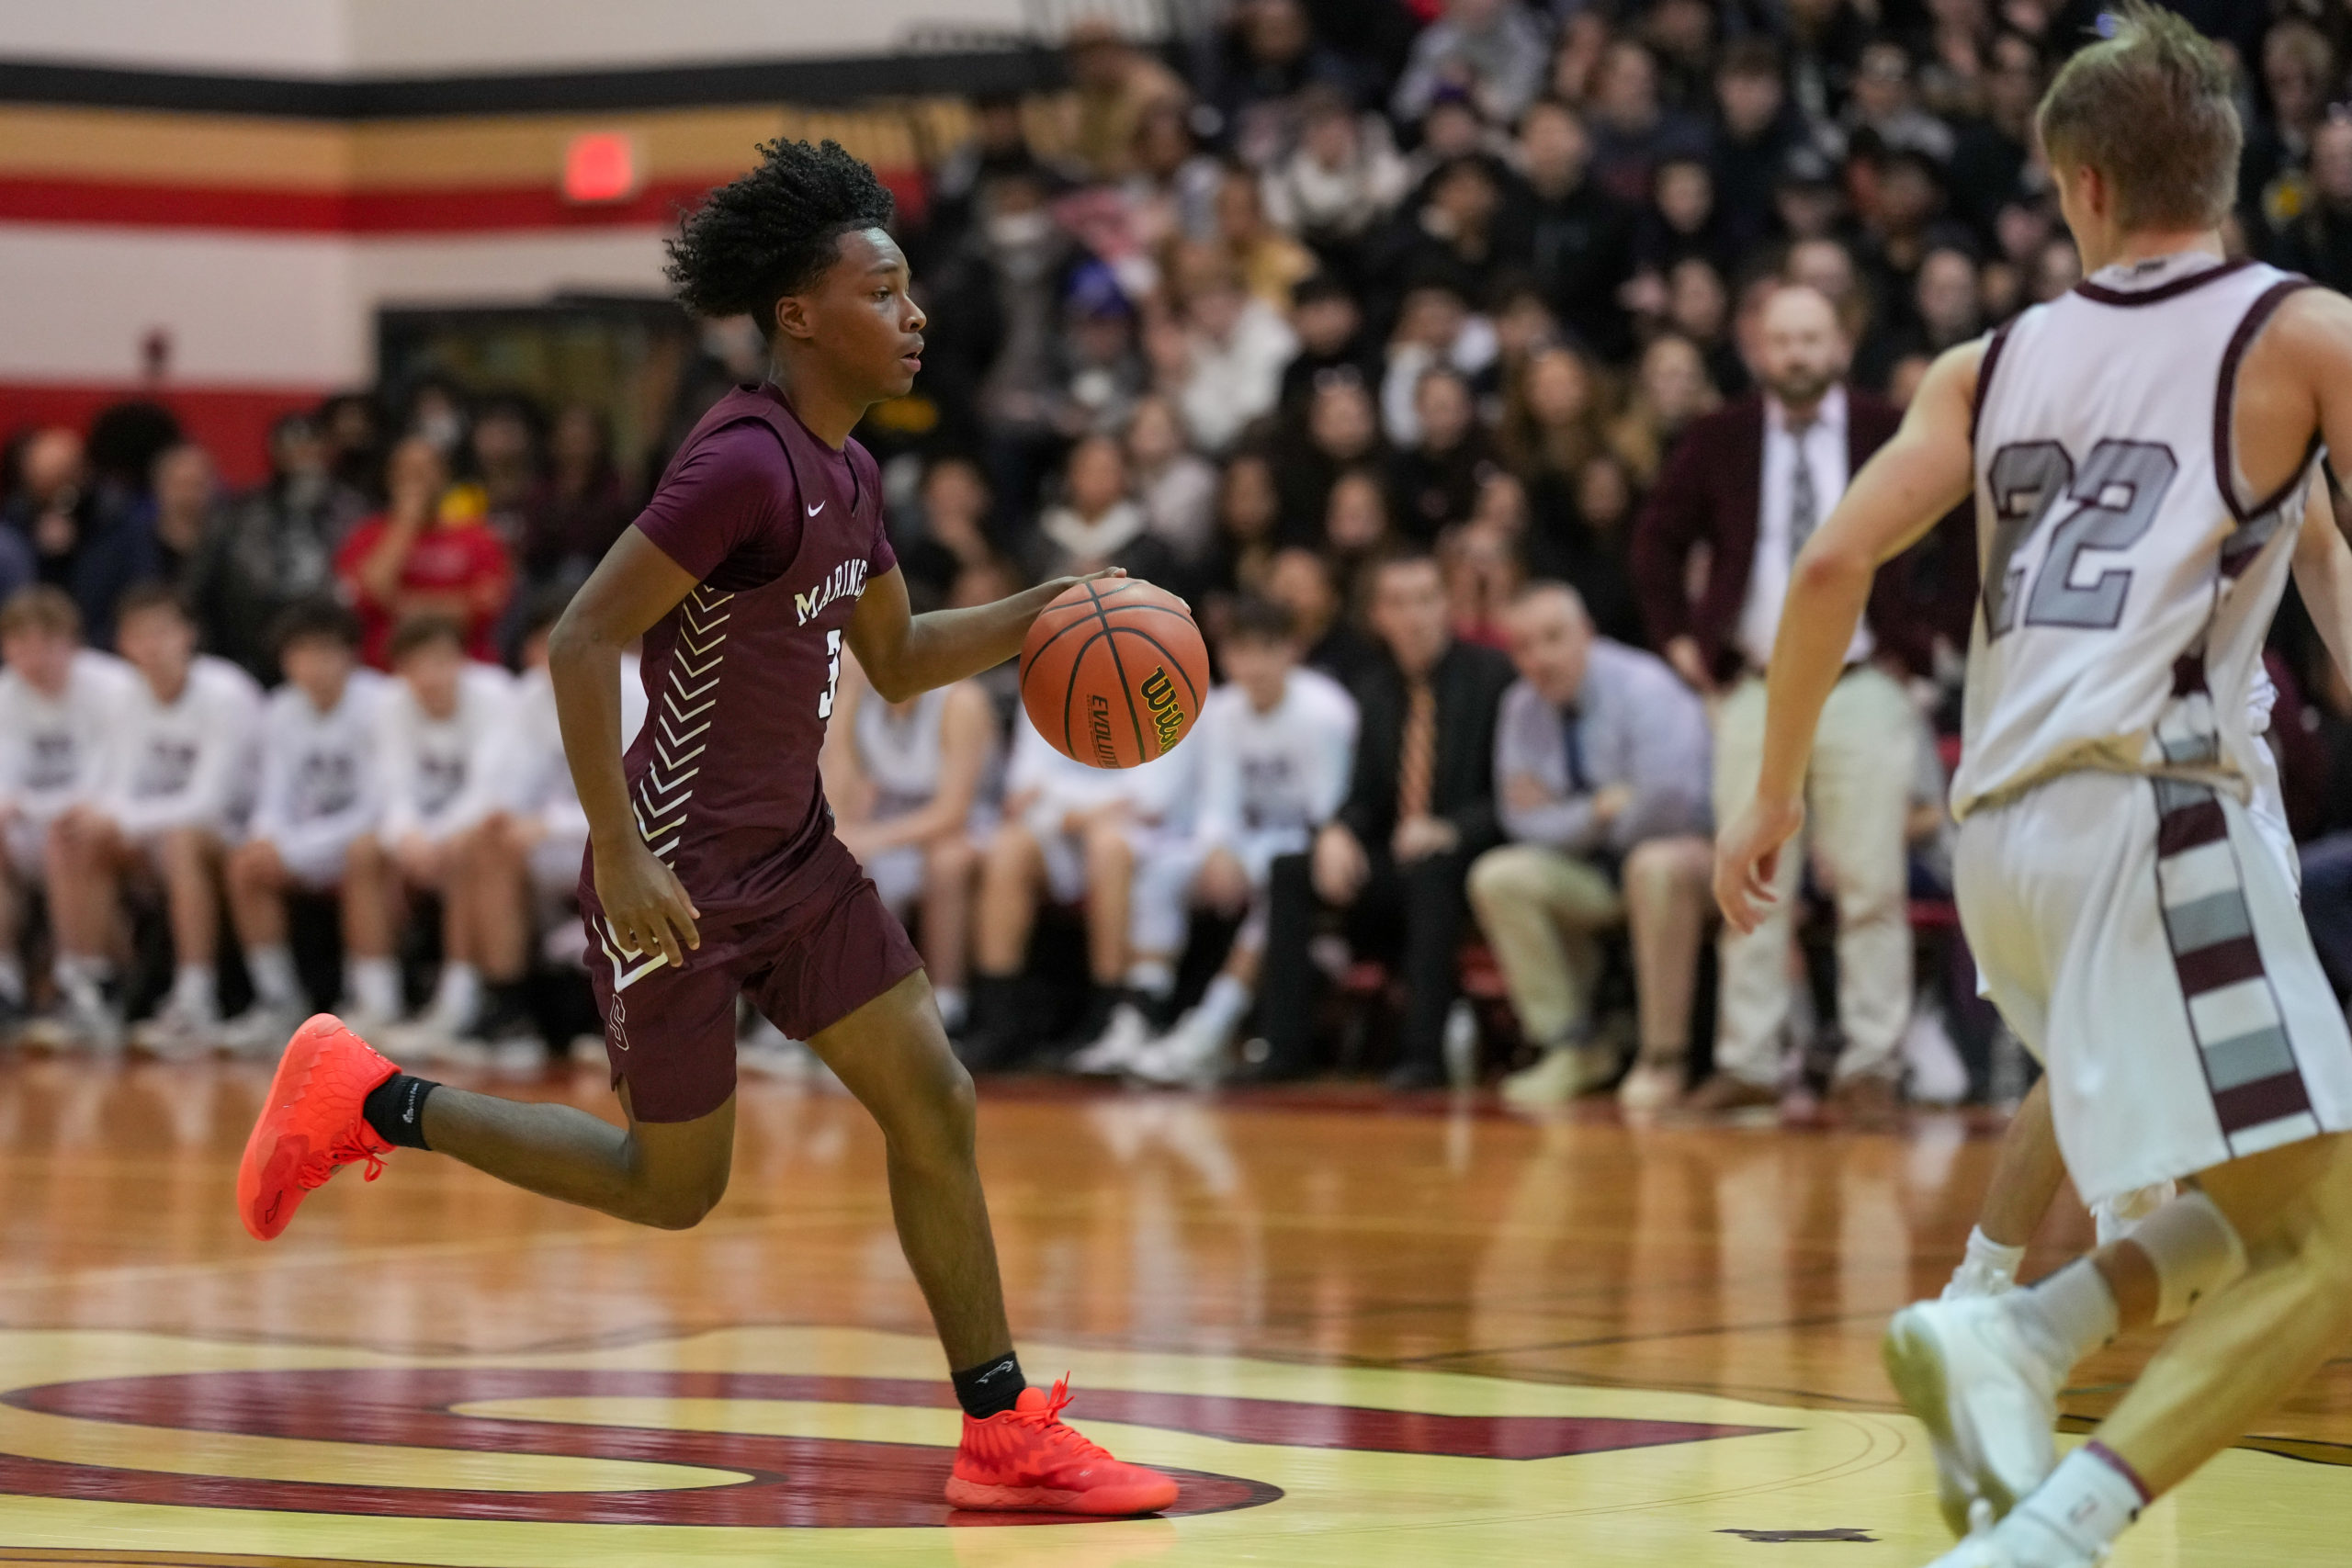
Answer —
1274 745
906 781
2141 451
58 702
444 735
314 830
177 788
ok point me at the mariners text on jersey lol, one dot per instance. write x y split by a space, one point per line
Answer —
847 581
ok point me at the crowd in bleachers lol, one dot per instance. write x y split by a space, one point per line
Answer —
1473 367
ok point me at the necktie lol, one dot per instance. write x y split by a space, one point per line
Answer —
1804 508
1416 756
1572 743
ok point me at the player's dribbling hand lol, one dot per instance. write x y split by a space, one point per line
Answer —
1747 859
645 902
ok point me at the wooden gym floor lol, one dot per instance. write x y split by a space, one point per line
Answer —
1368 1334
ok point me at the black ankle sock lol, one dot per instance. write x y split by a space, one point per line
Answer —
395 1108
990 1387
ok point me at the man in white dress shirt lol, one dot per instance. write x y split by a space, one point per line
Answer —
1747 485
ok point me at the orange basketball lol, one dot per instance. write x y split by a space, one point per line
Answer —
1114 672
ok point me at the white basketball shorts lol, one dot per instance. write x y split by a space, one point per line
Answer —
2142 938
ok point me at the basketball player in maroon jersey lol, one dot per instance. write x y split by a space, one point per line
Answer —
713 868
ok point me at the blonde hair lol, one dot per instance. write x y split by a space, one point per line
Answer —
2151 109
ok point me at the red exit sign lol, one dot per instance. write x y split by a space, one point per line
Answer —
601 167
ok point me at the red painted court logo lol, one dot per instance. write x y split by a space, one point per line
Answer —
772 1481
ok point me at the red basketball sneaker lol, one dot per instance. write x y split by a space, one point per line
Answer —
1025 1460
311 1126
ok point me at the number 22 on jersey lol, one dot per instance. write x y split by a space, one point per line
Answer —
2108 505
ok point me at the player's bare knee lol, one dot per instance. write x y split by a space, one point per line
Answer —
950 857
681 1206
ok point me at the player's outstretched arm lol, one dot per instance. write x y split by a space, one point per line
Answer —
904 654
1912 482
2323 574
633 587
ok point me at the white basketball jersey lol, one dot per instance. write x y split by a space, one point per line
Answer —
2129 575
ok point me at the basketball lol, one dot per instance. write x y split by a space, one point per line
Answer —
1114 672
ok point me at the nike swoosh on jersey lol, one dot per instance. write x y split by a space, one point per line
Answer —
816 509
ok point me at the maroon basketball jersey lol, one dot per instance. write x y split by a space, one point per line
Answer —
784 534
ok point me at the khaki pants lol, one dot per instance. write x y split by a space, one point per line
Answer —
1856 797
1540 909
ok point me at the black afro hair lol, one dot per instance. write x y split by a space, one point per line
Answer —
773 232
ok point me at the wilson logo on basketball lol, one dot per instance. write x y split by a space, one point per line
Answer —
1160 694
1098 728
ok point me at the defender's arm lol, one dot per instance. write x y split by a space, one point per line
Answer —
1902 490
2323 574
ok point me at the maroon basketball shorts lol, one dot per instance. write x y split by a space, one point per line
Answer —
669 1033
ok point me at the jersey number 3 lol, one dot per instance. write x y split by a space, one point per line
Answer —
2108 505
832 674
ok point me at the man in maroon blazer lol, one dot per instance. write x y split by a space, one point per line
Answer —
1711 553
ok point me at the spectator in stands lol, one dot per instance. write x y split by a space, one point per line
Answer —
1341 181
1249 508
1342 436
1632 131
1331 342
275 548
1749 484
1947 306
1302 582
2318 240
954 522
1076 835
183 509
1600 769
1435 328
1256 71
444 730
1884 106
351 427
1482 568
1356 528
1577 239
910 785
1419 808
72 538
504 445
1434 479
60 710
1236 345
1271 264
575 512
1671 391
1096 522
1175 487
171 799
1491 51
1756 130
314 831
2298 75
1098 371
1117 84
1992 148
1275 744
424 555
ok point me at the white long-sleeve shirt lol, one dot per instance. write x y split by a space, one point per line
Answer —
188 762
441 775
320 786
1268 779
534 777
53 749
